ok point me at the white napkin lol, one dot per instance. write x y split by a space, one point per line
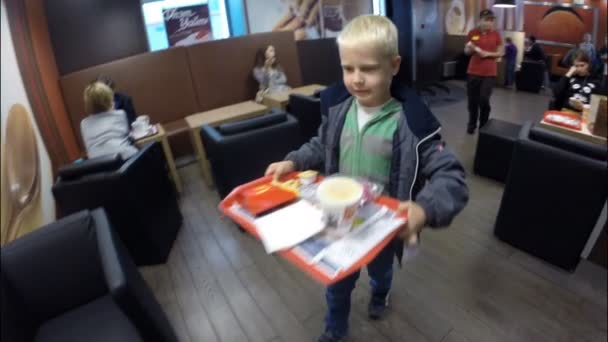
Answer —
289 226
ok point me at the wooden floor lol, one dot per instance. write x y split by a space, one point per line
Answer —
464 285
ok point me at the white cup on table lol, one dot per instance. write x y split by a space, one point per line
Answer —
141 125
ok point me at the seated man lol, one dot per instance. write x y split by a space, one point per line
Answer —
105 130
533 51
121 100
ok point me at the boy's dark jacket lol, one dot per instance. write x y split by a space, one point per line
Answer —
423 169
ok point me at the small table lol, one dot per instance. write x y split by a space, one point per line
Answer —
583 134
216 117
280 99
161 137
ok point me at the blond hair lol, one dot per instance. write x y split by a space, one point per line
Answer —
374 30
98 98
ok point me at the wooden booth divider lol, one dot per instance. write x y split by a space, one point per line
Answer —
172 84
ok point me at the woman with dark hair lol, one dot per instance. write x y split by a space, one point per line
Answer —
268 72
575 88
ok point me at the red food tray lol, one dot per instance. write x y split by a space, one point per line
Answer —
563 119
288 254
264 197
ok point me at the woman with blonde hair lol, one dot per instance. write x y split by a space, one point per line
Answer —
105 130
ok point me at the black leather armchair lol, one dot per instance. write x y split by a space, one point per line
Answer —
137 195
530 77
240 152
72 281
553 196
307 109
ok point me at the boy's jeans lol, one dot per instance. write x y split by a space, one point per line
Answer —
338 295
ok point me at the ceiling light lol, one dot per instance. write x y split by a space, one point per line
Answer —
504 3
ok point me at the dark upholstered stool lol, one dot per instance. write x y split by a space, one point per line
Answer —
494 149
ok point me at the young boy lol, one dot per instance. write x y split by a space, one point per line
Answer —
374 129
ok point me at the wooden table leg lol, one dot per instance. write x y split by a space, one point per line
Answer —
171 163
202 156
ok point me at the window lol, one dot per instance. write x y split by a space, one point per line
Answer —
379 7
155 24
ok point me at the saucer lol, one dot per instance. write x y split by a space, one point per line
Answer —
151 130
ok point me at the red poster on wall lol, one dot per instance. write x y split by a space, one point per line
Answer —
187 25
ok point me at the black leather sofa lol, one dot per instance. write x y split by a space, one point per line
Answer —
240 151
554 193
71 281
530 77
137 195
307 110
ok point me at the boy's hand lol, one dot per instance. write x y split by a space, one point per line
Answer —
416 220
280 168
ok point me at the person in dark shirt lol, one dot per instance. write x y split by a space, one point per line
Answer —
121 100
510 61
533 51
575 88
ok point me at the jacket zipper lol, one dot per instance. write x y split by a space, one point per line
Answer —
418 159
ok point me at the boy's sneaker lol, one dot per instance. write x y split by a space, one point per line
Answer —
377 307
329 336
